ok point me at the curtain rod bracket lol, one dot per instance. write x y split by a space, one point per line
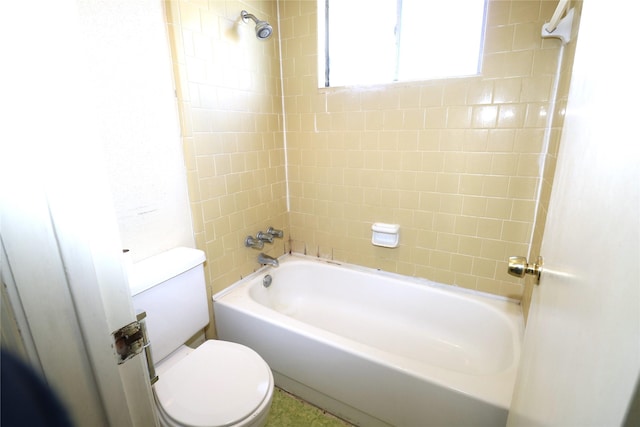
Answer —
562 29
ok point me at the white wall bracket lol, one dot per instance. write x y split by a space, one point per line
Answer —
563 29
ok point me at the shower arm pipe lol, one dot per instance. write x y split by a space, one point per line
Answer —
551 26
247 15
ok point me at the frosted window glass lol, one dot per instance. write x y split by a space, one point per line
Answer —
383 41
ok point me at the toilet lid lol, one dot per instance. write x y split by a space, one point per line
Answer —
218 384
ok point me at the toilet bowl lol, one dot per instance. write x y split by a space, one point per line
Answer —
216 384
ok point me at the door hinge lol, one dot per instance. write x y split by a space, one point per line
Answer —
131 340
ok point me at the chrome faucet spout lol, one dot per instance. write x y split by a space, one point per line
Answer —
265 259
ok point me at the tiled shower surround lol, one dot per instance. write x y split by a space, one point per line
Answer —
458 163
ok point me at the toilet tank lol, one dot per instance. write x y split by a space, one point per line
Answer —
170 288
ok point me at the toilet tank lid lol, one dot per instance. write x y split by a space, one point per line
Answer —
162 267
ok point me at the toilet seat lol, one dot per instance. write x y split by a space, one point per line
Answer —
218 384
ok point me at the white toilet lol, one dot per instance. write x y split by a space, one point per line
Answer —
217 384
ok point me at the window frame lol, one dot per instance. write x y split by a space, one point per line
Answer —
324 59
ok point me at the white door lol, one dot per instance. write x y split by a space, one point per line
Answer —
68 292
581 356
60 255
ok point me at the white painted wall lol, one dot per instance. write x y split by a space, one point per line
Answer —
130 73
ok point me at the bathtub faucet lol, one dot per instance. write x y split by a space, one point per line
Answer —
265 237
275 233
265 259
252 242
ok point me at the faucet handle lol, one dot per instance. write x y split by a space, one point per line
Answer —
275 233
252 242
264 237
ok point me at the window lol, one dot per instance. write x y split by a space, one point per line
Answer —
380 41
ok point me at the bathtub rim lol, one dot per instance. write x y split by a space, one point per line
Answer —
417 280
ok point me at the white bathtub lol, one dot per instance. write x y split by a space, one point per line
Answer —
378 349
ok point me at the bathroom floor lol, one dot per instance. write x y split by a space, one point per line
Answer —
289 411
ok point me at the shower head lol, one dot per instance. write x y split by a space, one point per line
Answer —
263 29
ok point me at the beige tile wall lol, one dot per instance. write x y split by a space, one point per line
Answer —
230 105
457 163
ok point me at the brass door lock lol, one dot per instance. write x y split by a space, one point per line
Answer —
519 266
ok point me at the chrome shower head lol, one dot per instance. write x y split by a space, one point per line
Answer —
263 29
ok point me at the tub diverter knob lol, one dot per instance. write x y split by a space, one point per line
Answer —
519 267
265 237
